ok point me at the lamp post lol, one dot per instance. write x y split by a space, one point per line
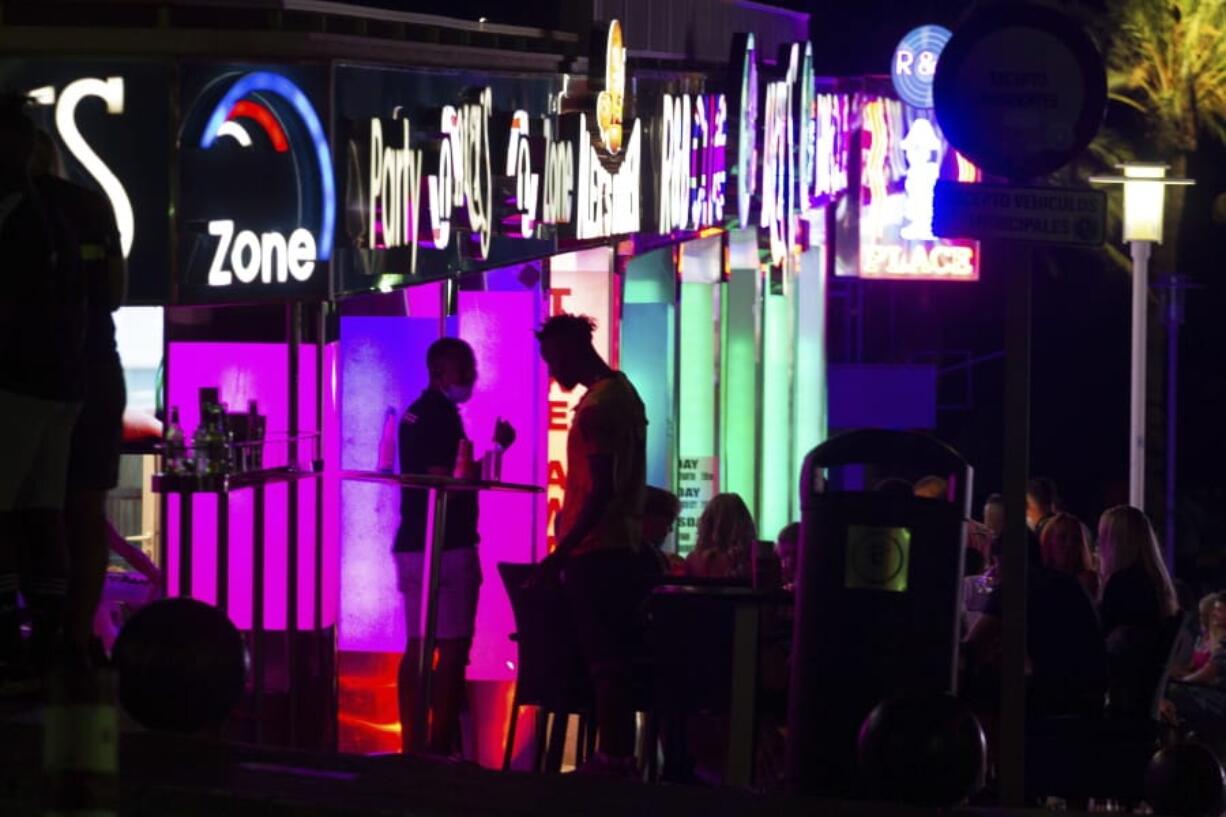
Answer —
1144 200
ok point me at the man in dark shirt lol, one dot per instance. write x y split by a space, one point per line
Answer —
93 467
430 435
42 325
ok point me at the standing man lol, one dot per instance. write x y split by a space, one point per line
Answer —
93 467
430 435
42 324
599 528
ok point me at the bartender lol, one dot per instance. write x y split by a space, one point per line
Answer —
431 435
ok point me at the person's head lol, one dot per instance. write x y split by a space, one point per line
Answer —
893 486
1125 537
16 139
994 513
932 487
787 545
726 525
1041 499
1212 609
660 512
1064 545
566 347
453 368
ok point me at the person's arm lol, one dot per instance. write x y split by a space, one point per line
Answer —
594 505
116 280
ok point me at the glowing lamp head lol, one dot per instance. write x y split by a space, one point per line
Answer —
1144 199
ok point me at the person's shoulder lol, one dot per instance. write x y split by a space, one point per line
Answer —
428 409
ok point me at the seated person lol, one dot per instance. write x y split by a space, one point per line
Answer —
727 537
660 511
1066 655
1198 697
787 545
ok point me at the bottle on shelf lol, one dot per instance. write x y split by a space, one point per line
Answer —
202 442
248 458
173 453
387 443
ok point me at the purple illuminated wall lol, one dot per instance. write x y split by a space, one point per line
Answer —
259 371
382 364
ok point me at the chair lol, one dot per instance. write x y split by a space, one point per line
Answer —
1106 758
551 673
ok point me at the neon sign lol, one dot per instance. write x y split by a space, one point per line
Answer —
746 137
229 109
526 187
608 202
779 161
610 103
903 157
915 64
693 174
832 149
270 256
111 92
395 191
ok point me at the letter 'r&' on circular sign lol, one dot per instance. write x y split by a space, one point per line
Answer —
1020 90
915 64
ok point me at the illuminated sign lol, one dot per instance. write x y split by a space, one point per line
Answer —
610 104
608 201
111 92
745 138
693 170
269 257
915 64
395 191
903 157
781 184
833 145
257 207
559 180
225 121
527 184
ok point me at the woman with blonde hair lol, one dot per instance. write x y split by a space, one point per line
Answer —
1065 548
726 539
1137 589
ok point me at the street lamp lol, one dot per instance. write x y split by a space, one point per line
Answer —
1144 200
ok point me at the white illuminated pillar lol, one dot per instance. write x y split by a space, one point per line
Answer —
1144 200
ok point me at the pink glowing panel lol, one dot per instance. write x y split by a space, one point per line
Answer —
511 384
244 371
382 366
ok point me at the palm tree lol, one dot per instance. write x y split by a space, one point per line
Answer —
1166 64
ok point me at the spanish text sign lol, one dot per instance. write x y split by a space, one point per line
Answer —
1047 215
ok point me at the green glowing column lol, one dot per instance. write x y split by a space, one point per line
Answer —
809 389
739 386
698 384
777 484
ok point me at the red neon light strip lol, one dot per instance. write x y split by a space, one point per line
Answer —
253 110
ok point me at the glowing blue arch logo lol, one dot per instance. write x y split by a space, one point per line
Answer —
915 64
218 125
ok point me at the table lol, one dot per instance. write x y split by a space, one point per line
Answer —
747 604
439 488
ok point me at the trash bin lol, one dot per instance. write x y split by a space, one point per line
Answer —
878 598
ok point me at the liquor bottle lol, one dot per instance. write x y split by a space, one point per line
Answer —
387 443
202 440
173 453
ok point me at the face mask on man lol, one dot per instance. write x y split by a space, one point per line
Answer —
457 393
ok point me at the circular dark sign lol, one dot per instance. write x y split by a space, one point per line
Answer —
1020 90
